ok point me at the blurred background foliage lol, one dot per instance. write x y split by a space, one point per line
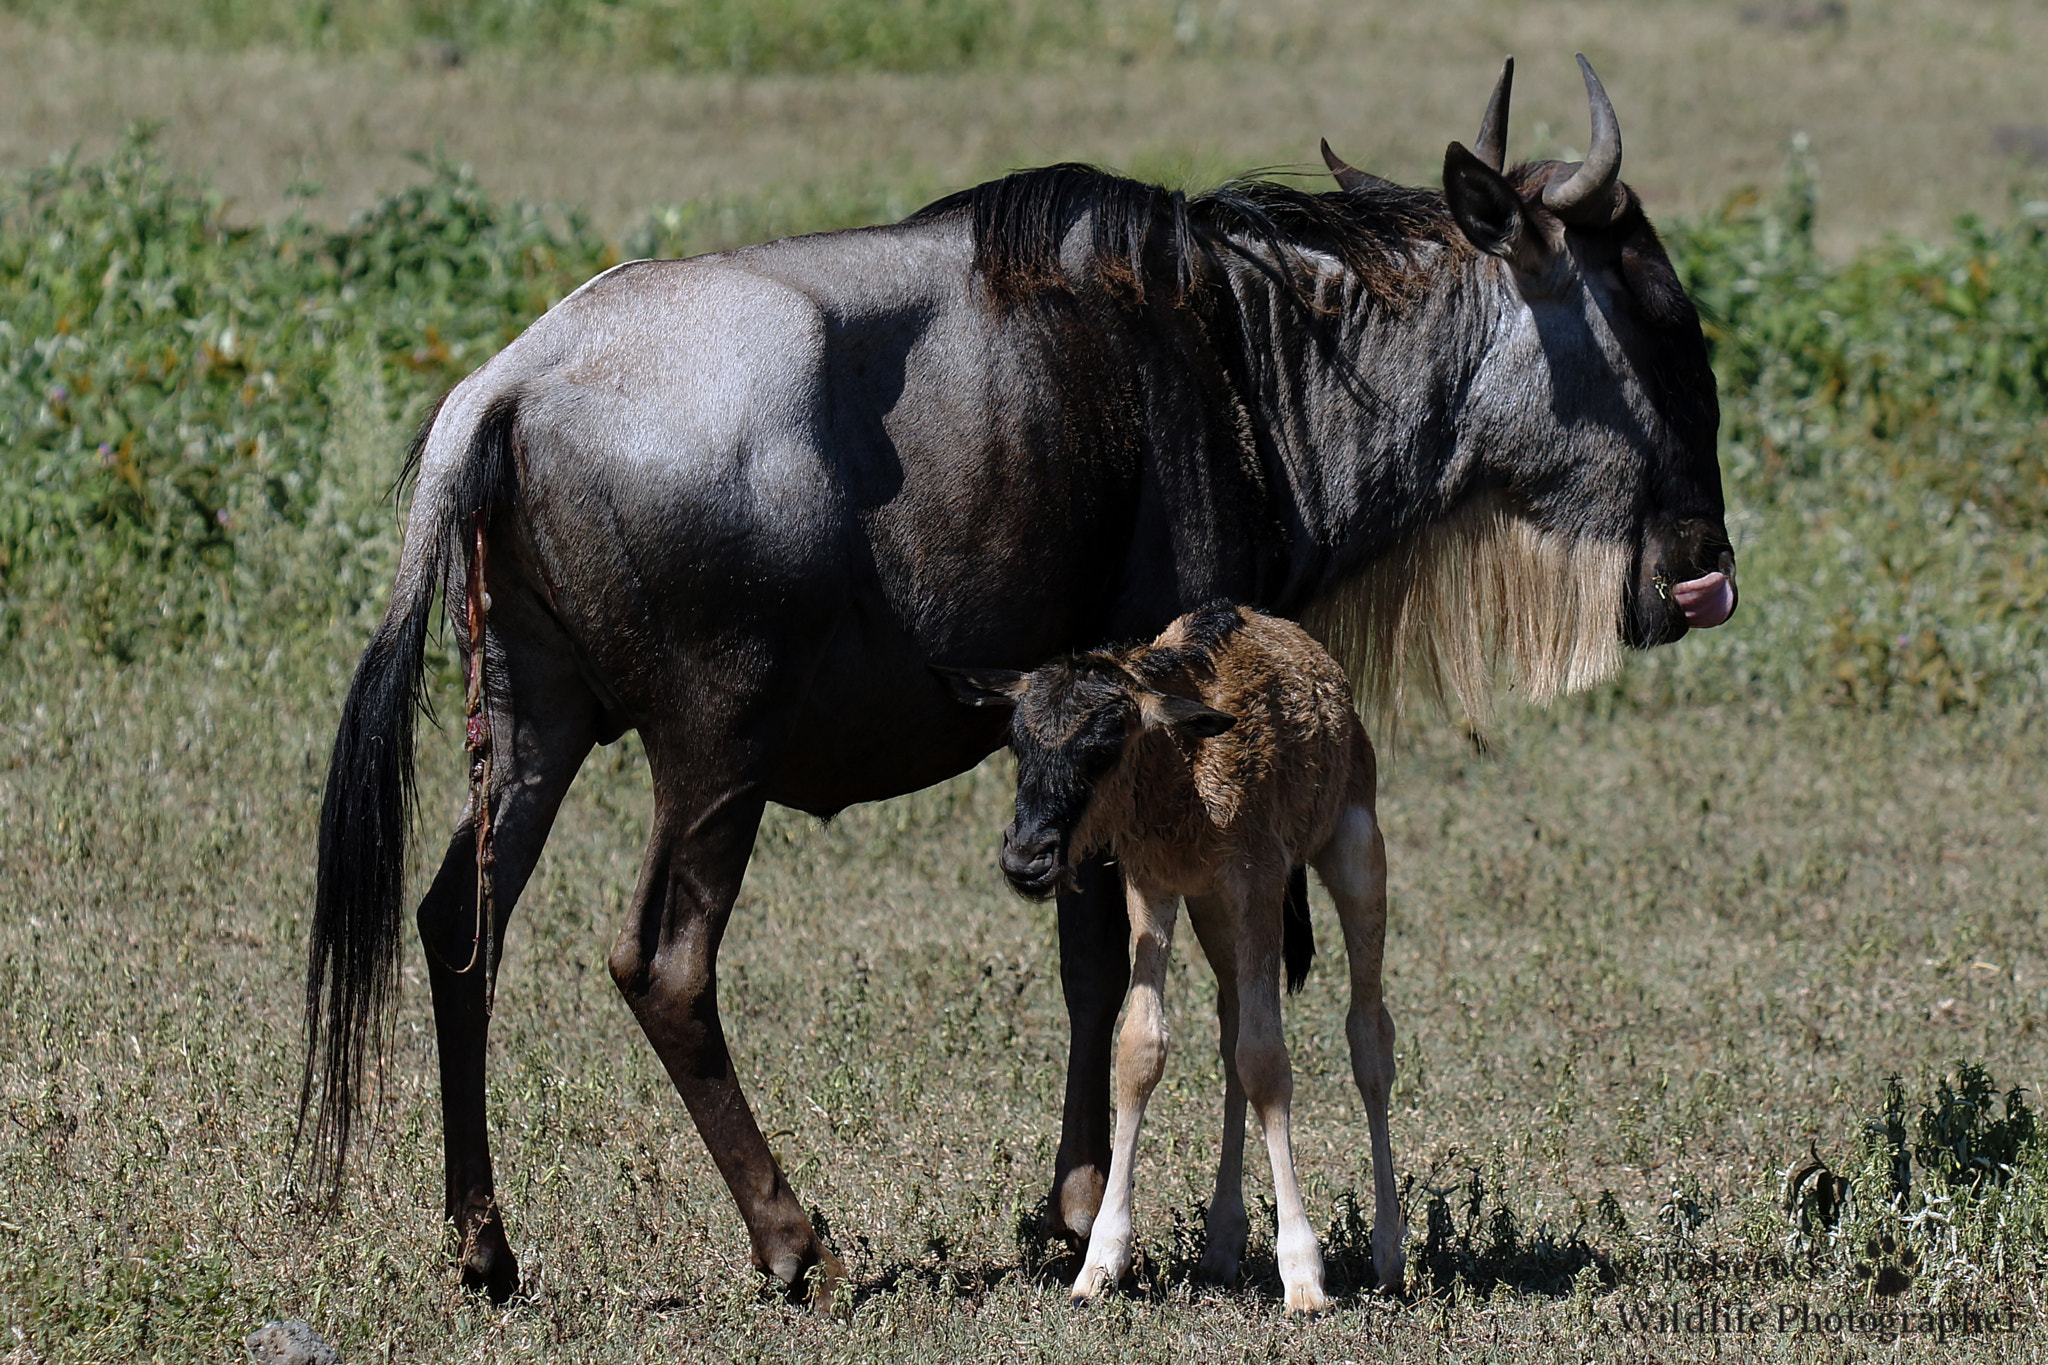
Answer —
688 35
1885 447
199 422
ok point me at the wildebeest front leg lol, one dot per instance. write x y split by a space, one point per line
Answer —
1140 1060
1354 868
666 965
1095 971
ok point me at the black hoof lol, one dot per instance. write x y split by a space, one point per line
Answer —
812 1276
488 1265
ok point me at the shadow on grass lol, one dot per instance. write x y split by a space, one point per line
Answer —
1473 1237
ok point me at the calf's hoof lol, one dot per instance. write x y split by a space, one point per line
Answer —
488 1265
1306 1300
1092 1285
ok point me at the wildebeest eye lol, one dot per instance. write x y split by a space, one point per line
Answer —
1098 741
1097 757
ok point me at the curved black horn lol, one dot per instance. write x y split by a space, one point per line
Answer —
1588 197
1492 143
1348 176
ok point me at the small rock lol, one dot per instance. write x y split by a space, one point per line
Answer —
289 1343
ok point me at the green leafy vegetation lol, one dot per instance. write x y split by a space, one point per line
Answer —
1648 961
1885 444
169 385
1979 1214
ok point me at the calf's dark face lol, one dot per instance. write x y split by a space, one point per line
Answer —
1070 723
1065 744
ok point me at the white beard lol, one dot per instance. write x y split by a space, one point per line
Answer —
1478 601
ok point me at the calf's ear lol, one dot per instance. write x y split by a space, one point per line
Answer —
1184 715
983 686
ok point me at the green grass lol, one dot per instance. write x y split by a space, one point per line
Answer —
1638 966
168 382
1663 944
169 385
1885 445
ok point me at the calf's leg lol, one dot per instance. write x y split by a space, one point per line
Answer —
1140 1060
1269 1086
1353 866
1215 925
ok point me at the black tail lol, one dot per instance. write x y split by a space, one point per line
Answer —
1297 934
352 953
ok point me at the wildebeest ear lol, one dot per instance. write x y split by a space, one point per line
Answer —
983 686
1488 210
1183 714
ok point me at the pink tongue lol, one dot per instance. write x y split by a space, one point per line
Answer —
1706 602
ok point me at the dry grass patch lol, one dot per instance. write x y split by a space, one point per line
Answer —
1648 957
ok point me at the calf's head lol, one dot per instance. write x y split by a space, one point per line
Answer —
1071 722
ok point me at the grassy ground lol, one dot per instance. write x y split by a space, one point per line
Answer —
1646 956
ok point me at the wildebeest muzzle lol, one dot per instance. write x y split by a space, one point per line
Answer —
1686 581
1034 863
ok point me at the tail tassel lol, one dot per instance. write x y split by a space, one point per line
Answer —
477 738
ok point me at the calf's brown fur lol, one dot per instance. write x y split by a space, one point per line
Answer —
1209 764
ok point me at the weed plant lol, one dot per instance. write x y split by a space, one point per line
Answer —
168 383
1886 454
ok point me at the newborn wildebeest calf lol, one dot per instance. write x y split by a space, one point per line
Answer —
1210 764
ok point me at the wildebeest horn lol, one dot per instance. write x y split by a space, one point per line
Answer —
1348 176
1492 144
1588 197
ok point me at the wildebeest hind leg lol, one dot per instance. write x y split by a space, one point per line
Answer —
1095 972
666 964
543 725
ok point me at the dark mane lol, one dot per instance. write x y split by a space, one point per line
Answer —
1145 237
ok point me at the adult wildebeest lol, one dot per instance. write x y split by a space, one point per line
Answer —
739 504
1209 763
